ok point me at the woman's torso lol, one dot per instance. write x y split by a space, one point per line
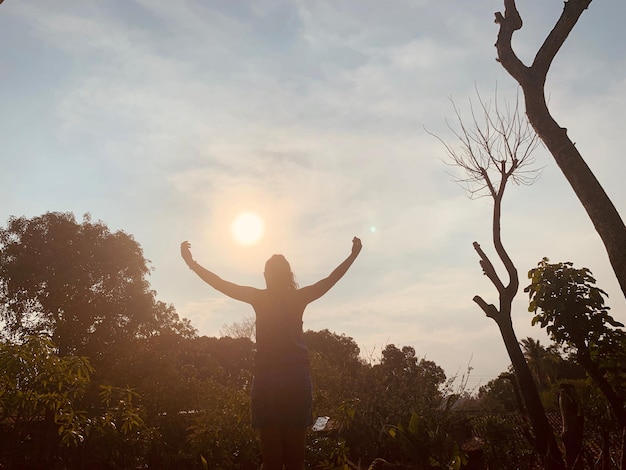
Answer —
279 336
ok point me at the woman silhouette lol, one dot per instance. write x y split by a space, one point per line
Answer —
281 390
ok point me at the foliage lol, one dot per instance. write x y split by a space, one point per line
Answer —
375 401
116 436
429 441
498 395
195 392
542 362
568 305
38 386
44 418
505 444
81 283
504 434
336 369
407 385
221 431
195 407
161 397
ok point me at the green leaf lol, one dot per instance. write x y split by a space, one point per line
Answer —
414 424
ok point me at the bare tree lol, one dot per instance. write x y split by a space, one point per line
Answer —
532 79
496 149
246 328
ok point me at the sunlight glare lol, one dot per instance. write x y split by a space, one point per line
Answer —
247 228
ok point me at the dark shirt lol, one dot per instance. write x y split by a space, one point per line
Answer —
279 338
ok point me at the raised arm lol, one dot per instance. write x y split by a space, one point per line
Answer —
235 291
315 291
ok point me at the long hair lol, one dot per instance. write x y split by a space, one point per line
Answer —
278 273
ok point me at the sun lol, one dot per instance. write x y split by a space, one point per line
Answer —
247 228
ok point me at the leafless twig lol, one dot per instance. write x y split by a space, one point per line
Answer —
496 148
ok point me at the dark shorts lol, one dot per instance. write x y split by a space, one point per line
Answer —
282 397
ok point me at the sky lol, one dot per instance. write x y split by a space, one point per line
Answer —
167 120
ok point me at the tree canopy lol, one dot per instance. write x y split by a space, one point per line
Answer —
569 305
79 282
571 308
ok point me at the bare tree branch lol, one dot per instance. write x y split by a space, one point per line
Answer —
572 10
490 310
498 146
488 268
601 210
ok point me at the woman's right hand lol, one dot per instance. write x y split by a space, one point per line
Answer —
185 252
356 246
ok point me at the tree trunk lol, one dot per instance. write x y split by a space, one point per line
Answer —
592 196
573 426
590 193
623 453
545 442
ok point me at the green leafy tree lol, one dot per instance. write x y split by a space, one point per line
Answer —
568 304
503 448
221 431
171 371
117 436
339 392
336 369
433 440
193 382
415 382
499 395
400 386
86 288
44 421
79 282
434 424
543 362
39 391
